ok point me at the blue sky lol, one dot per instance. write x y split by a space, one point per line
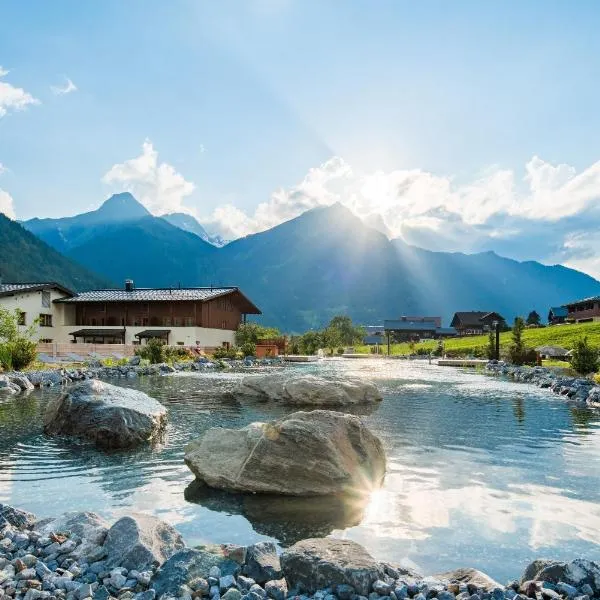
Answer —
455 125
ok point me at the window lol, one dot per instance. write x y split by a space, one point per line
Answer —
188 321
46 299
22 316
176 322
45 320
223 324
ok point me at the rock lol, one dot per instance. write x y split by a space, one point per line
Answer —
232 594
262 562
87 526
140 542
314 564
134 361
276 589
532 569
470 576
21 382
189 564
7 387
575 573
303 454
109 416
307 390
16 517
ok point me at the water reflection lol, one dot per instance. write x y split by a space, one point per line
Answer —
481 472
285 518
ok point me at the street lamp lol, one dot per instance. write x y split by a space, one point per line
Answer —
496 325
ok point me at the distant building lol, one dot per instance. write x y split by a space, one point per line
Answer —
582 311
417 328
557 315
475 322
553 352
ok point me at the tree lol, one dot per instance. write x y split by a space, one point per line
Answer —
490 349
332 338
517 349
310 342
348 334
17 348
584 358
533 318
252 333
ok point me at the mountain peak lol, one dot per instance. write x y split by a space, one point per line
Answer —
122 207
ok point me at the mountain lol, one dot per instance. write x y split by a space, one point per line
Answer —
26 258
325 262
191 224
68 232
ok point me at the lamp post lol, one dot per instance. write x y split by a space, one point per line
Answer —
496 325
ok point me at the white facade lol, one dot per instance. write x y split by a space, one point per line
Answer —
39 304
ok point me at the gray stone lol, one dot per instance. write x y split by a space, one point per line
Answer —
189 564
382 588
566 589
16 517
277 589
313 564
258 590
226 582
470 577
109 416
262 562
21 382
320 452
140 542
146 595
232 594
307 390
117 579
344 591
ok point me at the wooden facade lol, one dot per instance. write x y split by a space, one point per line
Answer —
583 310
225 312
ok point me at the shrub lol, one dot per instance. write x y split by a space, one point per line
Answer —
516 351
340 351
248 349
230 353
17 348
154 351
584 357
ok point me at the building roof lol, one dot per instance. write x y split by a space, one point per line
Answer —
400 325
559 311
98 333
153 333
473 318
590 299
554 351
373 329
9 289
201 294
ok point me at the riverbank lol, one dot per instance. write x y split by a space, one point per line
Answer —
79 556
578 389
15 382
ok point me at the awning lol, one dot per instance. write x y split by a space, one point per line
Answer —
98 333
153 333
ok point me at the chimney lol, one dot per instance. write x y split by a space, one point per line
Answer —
129 285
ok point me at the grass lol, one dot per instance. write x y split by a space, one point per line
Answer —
557 335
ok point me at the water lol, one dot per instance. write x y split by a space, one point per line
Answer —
481 472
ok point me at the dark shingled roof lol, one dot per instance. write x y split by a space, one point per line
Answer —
201 294
98 333
559 311
9 289
473 318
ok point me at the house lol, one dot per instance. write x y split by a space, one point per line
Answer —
199 316
553 352
417 328
475 322
36 302
374 334
582 311
557 315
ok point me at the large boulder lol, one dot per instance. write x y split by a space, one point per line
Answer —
307 390
262 562
140 542
21 382
109 416
469 577
314 564
7 387
87 528
303 454
576 573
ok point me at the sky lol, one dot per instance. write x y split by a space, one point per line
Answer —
456 126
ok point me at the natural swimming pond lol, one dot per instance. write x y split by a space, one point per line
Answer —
481 472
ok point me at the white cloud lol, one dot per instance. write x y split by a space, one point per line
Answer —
547 214
66 88
158 186
6 204
13 98
3 169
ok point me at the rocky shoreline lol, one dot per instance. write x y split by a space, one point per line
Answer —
578 389
79 556
15 382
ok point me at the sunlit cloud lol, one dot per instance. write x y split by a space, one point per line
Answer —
7 205
13 98
158 186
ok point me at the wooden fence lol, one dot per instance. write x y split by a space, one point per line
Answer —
57 350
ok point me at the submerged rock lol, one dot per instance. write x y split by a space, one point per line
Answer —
314 564
109 416
303 454
307 390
